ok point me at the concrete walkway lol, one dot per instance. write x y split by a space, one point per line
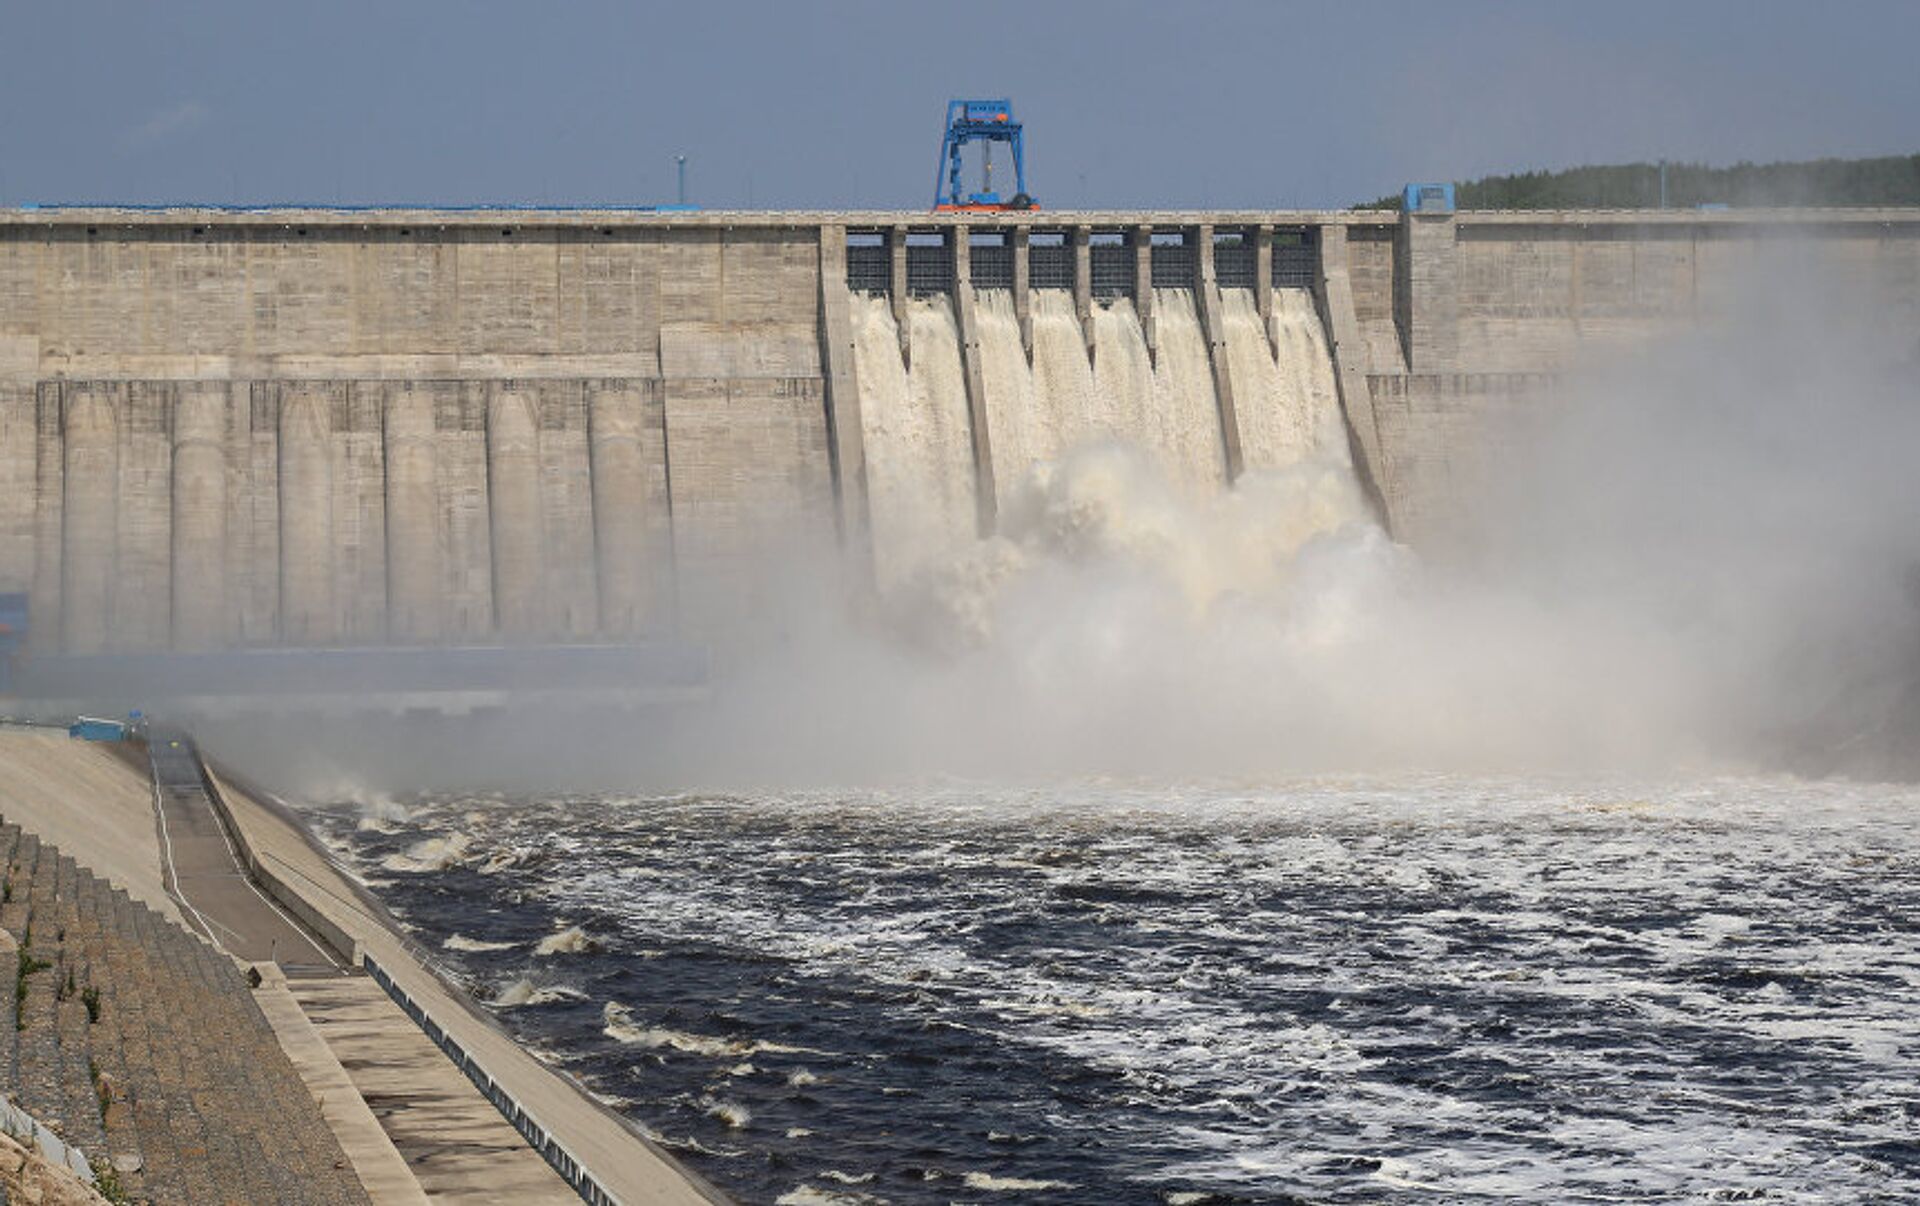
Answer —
413 1127
625 1164
428 1123
454 1142
204 873
382 1170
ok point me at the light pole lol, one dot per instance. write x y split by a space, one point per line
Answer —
680 169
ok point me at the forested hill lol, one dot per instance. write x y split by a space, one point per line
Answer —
1893 180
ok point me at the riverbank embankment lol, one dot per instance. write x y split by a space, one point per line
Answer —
199 1013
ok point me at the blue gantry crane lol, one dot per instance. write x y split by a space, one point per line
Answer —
987 121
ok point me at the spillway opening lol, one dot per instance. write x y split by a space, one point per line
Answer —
1056 378
929 263
869 262
1234 258
990 259
1049 260
1172 259
1111 260
1296 257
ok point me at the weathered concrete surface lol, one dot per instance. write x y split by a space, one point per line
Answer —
843 400
382 1170
967 321
1213 323
91 803
1334 295
454 1144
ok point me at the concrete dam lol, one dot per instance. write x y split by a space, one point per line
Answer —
313 428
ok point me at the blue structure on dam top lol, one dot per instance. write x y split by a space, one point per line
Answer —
1429 199
987 121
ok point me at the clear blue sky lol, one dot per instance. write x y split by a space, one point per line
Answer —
839 104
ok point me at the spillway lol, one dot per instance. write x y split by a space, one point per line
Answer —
1283 372
1041 404
920 468
1040 409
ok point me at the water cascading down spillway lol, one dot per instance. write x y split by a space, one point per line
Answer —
915 419
920 474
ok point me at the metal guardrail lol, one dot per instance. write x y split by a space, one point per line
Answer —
536 1135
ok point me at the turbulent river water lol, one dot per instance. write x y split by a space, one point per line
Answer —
1421 988
1279 988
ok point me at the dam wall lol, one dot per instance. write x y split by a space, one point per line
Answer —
1467 315
223 429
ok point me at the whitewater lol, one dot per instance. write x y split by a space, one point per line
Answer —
1055 880
1330 990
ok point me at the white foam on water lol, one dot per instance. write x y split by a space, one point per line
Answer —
431 854
808 1195
620 1026
572 940
846 1178
1604 899
524 992
987 1181
460 942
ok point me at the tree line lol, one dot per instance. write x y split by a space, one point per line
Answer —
1889 180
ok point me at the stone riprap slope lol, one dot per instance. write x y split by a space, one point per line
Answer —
143 1046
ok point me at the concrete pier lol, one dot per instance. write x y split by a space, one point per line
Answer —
515 516
200 517
1333 294
414 544
985 493
620 509
308 615
89 528
1213 322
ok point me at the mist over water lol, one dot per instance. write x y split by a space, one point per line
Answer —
1184 843
1698 555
